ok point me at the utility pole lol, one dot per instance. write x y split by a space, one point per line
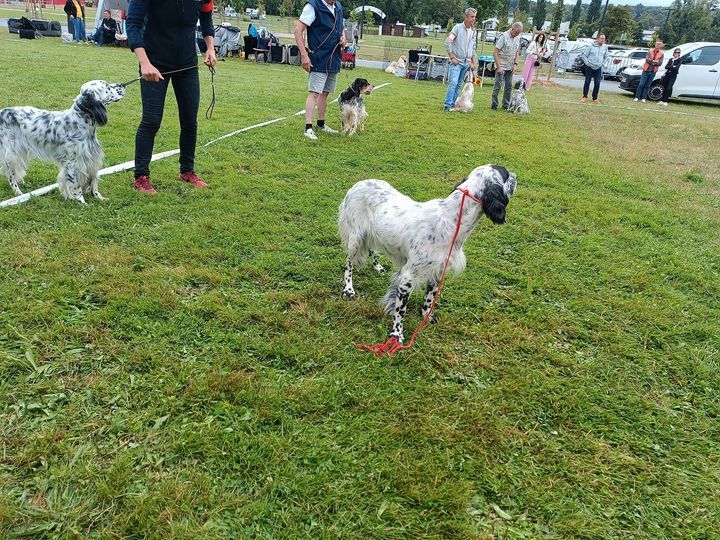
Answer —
663 34
362 20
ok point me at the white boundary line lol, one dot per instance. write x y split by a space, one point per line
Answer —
130 164
663 110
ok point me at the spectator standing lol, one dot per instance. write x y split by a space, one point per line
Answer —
671 72
505 54
76 12
460 46
534 53
106 31
594 57
161 33
653 61
322 22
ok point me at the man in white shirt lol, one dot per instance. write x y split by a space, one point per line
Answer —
322 21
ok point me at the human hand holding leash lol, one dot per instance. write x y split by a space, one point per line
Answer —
210 58
149 72
305 61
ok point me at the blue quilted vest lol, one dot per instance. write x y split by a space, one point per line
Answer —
324 37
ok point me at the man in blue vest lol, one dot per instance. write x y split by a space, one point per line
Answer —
322 20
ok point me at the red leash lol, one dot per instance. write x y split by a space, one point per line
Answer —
391 346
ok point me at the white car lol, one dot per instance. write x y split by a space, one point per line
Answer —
699 75
619 61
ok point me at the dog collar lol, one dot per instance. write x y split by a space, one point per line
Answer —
468 194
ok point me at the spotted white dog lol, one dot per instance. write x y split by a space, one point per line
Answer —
66 138
518 100
375 217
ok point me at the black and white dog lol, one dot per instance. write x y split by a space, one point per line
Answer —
416 237
67 138
518 101
352 108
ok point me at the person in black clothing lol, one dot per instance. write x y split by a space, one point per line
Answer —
161 33
671 73
105 34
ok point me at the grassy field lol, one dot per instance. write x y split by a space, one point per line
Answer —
182 366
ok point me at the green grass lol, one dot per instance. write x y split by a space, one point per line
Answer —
182 366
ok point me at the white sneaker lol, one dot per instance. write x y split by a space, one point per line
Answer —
635 99
310 134
642 100
663 103
327 129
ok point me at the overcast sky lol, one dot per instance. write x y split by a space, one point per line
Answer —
636 2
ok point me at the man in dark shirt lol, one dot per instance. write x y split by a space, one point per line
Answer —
161 33
106 31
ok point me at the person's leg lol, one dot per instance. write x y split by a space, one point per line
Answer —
597 75
328 88
507 91
153 102
460 82
310 104
586 86
453 77
83 36
527 73
667 92
648 83
76 30
499 77
100 38
322 106
640 94
186 85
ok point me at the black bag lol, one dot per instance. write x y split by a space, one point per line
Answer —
26 34
537 63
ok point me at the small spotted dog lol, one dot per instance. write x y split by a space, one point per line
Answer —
415 236
352 108
66 138
518 101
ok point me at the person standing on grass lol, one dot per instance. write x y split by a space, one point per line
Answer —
460 46
322 21
594 58
671 73
161 33
653 61
76 12
505 54
535 51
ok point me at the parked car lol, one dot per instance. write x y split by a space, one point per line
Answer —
619 61
699 76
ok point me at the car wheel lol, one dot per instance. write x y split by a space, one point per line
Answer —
656 91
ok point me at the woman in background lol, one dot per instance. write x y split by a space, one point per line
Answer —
535 51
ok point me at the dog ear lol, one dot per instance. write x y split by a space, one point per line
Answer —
94 107
509 187
494 203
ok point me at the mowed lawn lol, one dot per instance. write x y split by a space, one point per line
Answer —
182 366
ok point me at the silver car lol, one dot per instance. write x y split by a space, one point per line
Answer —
619 61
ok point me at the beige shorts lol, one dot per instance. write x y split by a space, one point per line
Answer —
322 82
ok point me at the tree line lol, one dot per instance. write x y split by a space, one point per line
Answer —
685 20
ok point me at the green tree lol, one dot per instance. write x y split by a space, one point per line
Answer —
287 8
691 20
503 13
592 16
540 13
576 13
557 15
618 21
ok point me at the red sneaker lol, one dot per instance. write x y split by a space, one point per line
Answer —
143 185
192 178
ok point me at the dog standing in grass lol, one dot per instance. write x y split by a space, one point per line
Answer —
66 138
375 217
352 108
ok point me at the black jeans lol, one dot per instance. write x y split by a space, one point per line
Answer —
186 85
669 83
592 74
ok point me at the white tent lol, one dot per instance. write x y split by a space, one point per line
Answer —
109 4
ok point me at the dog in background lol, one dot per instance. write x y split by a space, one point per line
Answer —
375 217
66 138
464 102
352 108
518 101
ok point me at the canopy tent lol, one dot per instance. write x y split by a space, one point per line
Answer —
109 4
369 8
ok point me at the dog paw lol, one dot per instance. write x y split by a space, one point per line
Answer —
99 197
399 337
378 267
348 294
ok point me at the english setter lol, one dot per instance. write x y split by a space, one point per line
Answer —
352 108
416 236
518 101
67 138
464 102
